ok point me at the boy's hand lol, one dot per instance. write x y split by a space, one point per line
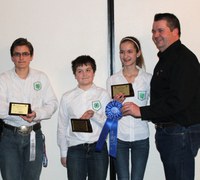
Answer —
87 115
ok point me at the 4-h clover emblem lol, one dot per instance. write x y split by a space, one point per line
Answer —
96 105
37 85
142 95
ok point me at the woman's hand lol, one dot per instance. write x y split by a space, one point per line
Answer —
63 161
119 97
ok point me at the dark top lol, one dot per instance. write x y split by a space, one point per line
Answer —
175 88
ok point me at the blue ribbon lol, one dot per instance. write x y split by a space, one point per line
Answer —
113 113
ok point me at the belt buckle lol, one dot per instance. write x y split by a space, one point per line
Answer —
24 130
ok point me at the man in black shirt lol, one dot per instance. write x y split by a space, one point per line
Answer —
175 100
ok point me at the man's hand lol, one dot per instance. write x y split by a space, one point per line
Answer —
132 109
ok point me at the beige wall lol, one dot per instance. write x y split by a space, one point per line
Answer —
62 30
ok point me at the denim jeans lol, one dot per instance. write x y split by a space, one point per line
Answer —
83 161
139 155
178 147
14 156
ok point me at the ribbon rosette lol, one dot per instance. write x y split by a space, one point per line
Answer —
113 113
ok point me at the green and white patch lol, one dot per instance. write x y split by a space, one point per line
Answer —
96 105
142 95
37 85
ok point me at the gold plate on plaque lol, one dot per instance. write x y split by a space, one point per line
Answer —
19 109
126 89
81 125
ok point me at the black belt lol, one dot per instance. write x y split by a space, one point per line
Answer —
165 125
23 129
89 144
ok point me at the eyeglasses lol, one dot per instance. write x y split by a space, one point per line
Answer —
24 54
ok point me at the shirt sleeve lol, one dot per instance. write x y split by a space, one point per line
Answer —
4 106
63 122
49 103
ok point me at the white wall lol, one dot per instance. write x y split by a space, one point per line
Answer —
62 30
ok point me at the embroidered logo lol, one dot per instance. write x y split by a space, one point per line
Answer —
142 95
96 105
37 85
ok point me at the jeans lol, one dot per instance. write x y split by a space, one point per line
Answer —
83 161
139 155
178 147
1 127
14 156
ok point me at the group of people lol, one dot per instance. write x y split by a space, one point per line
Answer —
170 98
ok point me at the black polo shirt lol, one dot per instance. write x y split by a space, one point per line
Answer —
175 88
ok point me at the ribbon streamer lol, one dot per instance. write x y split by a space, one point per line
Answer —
44 155
113 113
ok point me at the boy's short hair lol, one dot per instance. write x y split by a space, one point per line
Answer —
21 42
83 60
